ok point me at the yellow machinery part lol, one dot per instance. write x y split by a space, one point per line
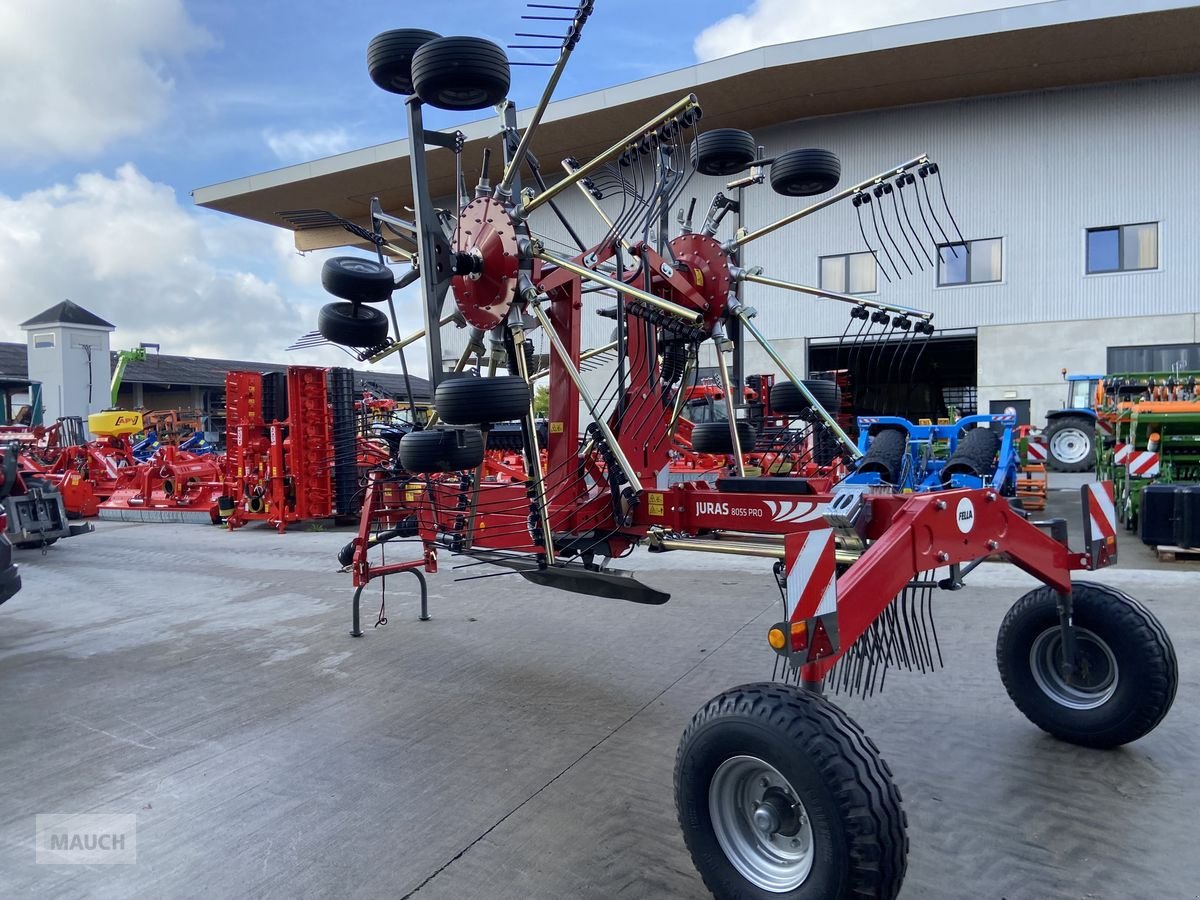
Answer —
115 423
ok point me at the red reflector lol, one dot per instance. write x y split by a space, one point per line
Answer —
821 646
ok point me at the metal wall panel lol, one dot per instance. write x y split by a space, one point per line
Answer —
1033 169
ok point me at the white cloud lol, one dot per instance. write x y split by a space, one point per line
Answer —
197 282
780 21
76 75
297 146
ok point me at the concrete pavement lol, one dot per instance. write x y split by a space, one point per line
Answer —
520 744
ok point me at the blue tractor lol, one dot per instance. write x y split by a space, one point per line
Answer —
1070 432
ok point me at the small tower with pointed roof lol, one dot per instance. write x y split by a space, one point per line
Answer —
69 355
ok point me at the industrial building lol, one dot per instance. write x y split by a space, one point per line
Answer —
1062 133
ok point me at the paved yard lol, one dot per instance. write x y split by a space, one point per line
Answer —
520 744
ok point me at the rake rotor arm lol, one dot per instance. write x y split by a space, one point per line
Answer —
748 275
564 356
399 345
683 105
619 286
742 239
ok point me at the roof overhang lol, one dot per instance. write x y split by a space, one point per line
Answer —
1026 48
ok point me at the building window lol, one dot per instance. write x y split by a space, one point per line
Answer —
1122 248
969 262
848 273
43 340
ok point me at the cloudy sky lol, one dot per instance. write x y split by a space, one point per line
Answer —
114 110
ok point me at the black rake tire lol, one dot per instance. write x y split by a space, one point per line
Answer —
352 325
357 279
481 401
441 450
787 399
1111 628
461 73
390 54
724 151
857 826
714 437
803 173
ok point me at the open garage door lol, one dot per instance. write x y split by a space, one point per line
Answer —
933 379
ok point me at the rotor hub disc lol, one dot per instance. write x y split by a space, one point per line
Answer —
708 270
486 233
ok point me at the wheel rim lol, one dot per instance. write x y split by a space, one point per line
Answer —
761 824
1095 679
1070 445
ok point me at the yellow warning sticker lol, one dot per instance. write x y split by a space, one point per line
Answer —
654 503
556 427
698 276
412 495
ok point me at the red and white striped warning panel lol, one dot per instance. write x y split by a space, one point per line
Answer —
1036 450
1101 511
1121 453
1142 463
812 576
1104 428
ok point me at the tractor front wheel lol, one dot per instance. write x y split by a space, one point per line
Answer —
780 794
1124 674
1070 441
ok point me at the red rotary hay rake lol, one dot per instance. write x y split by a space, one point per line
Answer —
779 793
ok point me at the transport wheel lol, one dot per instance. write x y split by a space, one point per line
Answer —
357 279
781 794
352 325
786 397
714 437
802 173
1125 677
460 73
1070 441
479 401
389 57
441 450
724 151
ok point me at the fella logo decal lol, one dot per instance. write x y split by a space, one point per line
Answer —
964 517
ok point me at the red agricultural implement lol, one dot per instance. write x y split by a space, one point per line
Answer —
778 792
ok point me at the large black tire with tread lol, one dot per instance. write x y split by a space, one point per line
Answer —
352 325
803 173
975 455
481 401
1145 676
714 437
441 450
787 399
1061 428
461 73
357 279
724 151
836 772
389 57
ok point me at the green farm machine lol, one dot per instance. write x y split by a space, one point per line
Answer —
1154 419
